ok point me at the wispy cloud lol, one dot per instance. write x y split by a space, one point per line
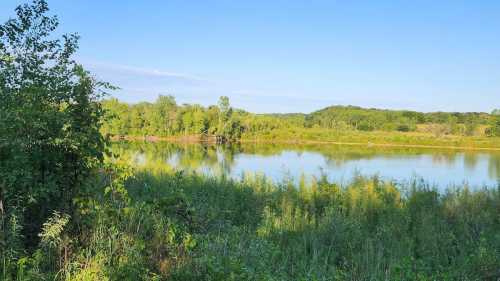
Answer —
111 69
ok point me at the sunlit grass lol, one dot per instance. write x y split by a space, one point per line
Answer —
373 138
366 229
163 224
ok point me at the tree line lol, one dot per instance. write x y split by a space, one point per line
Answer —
165 117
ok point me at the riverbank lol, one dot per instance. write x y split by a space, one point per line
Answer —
369 139
370 144
378 138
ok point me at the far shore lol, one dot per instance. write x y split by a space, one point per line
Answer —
200 139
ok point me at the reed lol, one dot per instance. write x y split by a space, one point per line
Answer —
160 224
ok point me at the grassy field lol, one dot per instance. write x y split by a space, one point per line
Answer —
376 138
157 224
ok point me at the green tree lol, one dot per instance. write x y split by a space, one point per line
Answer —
224 126
187 120
137 118
118 117
199 119
164 117
495 126
49 119
213 114
224 105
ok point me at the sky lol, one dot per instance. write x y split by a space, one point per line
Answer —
291 56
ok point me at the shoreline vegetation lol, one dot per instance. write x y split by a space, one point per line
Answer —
366 229
164 119
378 139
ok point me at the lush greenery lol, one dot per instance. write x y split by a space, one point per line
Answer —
165 225
49 126
165 118
70 211
494 130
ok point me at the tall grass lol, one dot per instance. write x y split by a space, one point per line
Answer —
161 224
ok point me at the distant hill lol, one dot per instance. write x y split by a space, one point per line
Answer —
368 119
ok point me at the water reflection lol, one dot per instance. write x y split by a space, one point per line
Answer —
494 167
277 161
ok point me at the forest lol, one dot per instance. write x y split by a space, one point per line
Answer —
72 210
165 117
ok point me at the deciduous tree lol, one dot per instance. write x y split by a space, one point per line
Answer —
50 117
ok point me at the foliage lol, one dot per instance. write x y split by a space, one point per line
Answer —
164 118
173 225
50 117
52 229
494 129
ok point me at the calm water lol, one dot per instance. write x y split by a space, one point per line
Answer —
442 168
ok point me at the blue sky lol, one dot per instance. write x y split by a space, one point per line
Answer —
292 56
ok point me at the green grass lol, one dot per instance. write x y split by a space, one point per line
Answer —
160 224
373 138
